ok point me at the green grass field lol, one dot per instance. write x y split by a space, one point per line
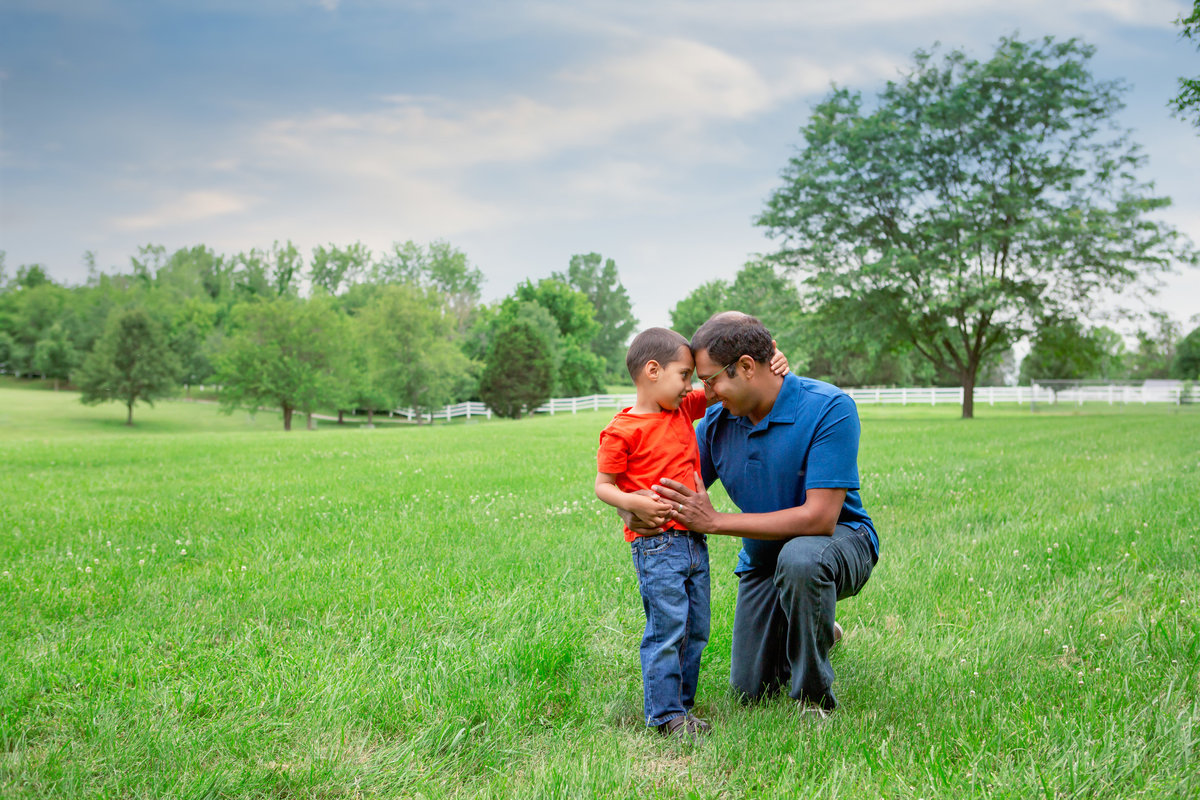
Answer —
205 606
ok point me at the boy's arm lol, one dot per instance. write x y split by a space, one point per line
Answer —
650 508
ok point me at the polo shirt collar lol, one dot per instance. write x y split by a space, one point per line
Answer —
786 408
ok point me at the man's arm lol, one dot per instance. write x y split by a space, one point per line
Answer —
693 509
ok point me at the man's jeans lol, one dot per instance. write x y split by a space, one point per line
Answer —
783 623
672 571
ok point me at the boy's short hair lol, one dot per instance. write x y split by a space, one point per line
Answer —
652 344
727 337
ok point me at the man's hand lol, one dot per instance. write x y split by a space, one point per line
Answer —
691 509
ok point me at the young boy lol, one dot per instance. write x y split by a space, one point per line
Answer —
654 439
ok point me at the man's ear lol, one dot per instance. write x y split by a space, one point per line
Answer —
747 366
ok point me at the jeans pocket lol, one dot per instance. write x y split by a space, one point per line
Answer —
653 545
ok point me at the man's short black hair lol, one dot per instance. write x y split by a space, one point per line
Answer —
653 344
728 336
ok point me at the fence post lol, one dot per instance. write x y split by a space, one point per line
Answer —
903 396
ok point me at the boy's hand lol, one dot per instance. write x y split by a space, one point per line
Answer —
651 509
640 526
779 362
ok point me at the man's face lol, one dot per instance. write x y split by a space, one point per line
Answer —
730 391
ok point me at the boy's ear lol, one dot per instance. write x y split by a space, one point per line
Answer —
651 369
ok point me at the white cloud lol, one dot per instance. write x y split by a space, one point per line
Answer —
673 83
190 207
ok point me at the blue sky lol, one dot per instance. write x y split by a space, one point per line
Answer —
650 131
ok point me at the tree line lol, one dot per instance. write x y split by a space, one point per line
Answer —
344 330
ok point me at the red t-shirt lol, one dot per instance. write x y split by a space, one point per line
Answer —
641 448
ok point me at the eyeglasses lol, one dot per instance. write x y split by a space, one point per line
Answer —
708 381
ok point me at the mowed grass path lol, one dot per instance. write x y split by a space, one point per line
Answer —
201 607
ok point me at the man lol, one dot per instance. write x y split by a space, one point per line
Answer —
786 450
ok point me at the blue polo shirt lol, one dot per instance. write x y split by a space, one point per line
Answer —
809 440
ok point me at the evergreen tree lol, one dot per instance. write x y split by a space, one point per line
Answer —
519 372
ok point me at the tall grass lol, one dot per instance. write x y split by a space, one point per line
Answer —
204 607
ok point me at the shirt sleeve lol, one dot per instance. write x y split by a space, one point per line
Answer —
613 455
833 459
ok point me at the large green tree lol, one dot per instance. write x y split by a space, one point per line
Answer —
1187 102
130 363
972 199
598 280
411 355
285 353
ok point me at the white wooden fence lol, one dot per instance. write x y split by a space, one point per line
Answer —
921 395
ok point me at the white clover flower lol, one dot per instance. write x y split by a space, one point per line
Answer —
141 562
183 552
178 541
88 570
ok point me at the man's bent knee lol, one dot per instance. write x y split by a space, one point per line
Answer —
802 561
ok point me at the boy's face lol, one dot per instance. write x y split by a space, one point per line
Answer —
675 379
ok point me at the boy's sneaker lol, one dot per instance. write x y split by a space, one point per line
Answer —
685 726
677 727
811 712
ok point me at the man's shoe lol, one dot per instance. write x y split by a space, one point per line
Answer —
699 726
837 633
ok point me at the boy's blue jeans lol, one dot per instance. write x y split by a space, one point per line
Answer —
672 571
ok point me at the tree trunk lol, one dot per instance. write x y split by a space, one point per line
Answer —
309 421
341 417
370 416
287 418
968 387
129 416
